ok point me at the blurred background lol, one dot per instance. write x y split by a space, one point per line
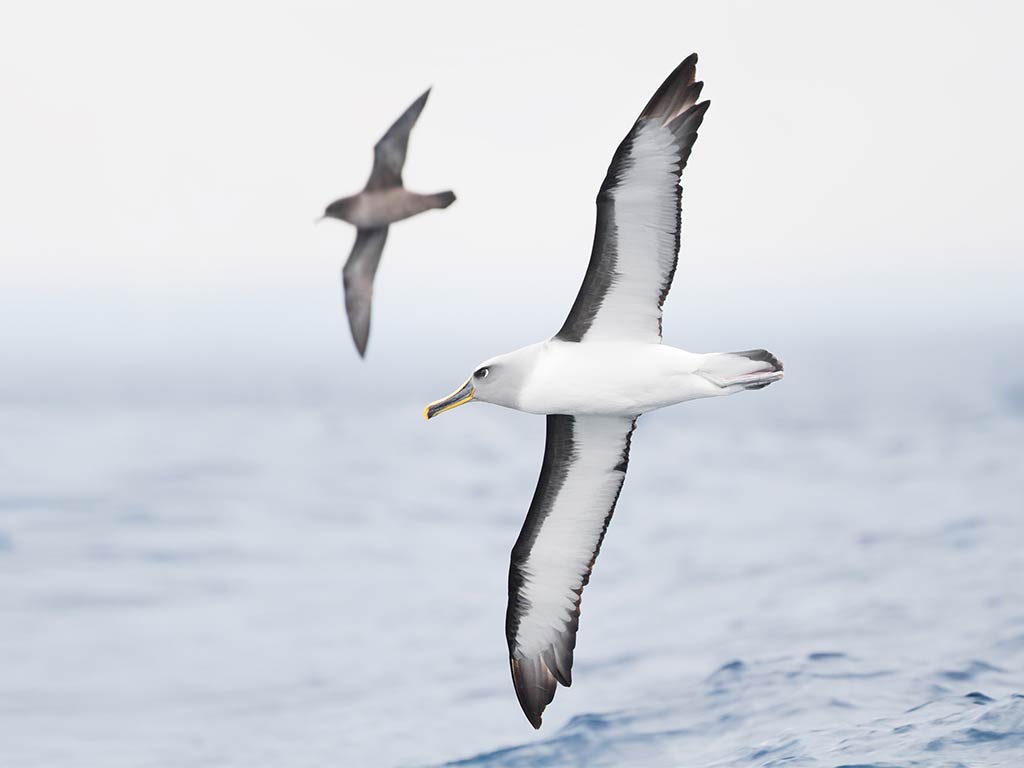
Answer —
225 540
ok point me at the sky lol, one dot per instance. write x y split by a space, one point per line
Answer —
858 172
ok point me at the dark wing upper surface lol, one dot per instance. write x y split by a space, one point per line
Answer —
585 460
636 239
389 152
357 277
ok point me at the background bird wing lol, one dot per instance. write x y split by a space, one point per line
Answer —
636 239
357 278
389 152
585 460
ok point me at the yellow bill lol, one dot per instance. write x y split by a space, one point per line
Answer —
462 395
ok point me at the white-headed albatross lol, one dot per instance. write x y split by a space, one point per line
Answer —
383 201
603 369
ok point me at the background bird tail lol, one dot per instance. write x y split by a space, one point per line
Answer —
443 199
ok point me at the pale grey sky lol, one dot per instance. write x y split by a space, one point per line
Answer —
162 167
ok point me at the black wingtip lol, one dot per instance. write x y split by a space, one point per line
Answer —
535 687
677 93
694 114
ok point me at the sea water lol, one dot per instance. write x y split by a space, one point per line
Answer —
829 572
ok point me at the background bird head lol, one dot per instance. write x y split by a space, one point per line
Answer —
339 209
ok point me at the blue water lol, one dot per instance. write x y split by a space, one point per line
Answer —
829 572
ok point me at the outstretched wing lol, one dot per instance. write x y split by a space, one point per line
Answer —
389 152
636 240
357 278
585 460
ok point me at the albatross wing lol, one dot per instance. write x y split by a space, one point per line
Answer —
636 239
389 152
357 278
585 460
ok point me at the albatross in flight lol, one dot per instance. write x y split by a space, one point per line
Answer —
604 368
384 201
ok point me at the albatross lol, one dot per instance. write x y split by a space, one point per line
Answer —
604 368
383 201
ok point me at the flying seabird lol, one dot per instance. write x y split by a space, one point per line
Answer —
382 202
603 369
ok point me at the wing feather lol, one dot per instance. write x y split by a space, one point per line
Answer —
389 152
585 459
636 237
357 278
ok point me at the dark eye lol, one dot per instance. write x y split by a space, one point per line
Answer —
481 373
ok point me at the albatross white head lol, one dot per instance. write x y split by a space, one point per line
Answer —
499 381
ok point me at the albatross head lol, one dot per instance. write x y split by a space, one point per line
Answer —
498 380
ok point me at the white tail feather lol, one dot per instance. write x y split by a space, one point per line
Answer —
735 371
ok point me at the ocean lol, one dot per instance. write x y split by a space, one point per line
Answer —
828 572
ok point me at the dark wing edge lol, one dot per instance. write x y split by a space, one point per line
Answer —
389 152
536 678
357 278
675 106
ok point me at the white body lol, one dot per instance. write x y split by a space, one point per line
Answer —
613 378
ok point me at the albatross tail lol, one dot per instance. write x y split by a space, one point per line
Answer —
736 371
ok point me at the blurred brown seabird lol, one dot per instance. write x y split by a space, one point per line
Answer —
383 201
